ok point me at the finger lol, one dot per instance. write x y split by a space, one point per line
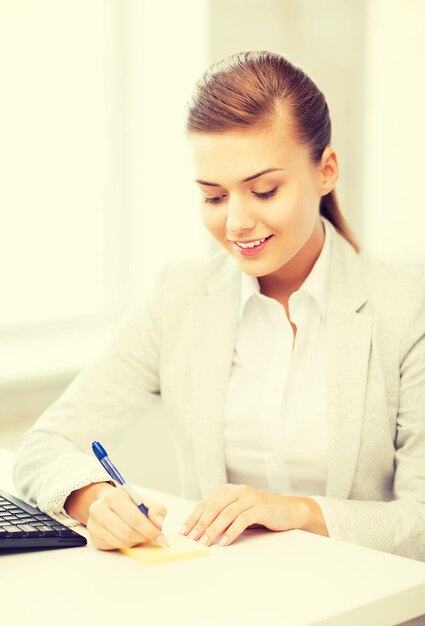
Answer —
207 511
225 519
108 519
103 538
124 506
240 524
117 512
156 512
193 517
228 488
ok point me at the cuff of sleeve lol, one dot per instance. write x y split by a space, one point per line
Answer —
55 507
51 500
363 522
327 515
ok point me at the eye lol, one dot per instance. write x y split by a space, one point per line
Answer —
215 200
267 194
263 196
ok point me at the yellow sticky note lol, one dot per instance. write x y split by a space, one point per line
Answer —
180 547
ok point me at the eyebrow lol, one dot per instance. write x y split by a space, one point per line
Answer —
245 180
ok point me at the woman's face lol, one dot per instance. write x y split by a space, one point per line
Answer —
260 184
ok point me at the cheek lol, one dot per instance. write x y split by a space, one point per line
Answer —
213 220
281 215
292 219
295 209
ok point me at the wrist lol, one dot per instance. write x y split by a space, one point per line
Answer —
79 501
311 517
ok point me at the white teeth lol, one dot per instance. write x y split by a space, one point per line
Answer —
252 244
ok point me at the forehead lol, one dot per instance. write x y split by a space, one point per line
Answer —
234 155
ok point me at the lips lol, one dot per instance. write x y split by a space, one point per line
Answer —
243 243
254 250
250 240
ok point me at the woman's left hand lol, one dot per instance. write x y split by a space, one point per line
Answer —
233 508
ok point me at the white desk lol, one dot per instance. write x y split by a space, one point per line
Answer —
265 578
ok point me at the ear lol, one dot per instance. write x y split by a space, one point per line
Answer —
329 171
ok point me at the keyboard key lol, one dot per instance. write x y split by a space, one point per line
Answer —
38 524
55 525
45 529
13 530
67 532
27 528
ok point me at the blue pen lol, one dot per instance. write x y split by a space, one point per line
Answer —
102 456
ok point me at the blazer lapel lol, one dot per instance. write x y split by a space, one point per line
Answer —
348 348
214 320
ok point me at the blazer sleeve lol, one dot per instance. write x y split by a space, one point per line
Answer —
54 457
396 526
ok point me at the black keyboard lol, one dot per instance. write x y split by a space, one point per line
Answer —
23 527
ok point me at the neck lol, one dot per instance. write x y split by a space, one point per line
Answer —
287 279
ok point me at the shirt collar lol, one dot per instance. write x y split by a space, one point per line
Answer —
315 284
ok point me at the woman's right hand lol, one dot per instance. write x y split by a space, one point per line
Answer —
112 517
115 521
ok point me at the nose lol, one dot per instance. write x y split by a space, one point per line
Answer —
239 218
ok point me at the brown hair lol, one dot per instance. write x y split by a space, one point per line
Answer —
250 89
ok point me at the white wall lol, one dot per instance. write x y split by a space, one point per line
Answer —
59 154
394 132
165 51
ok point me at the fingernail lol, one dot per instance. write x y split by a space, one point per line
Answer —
204 540
183 529
193 534
160 520
223 541
162 541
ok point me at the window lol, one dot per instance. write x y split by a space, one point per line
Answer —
93 96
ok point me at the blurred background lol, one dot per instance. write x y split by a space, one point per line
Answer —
96 187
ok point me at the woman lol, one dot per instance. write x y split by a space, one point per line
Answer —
291 365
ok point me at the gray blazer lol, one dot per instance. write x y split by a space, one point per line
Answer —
177 346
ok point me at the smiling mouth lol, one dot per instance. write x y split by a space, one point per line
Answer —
252 244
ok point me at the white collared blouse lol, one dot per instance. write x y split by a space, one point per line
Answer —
275 431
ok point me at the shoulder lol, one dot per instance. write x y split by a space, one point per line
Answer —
392 296
363 279
391 288
396 300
